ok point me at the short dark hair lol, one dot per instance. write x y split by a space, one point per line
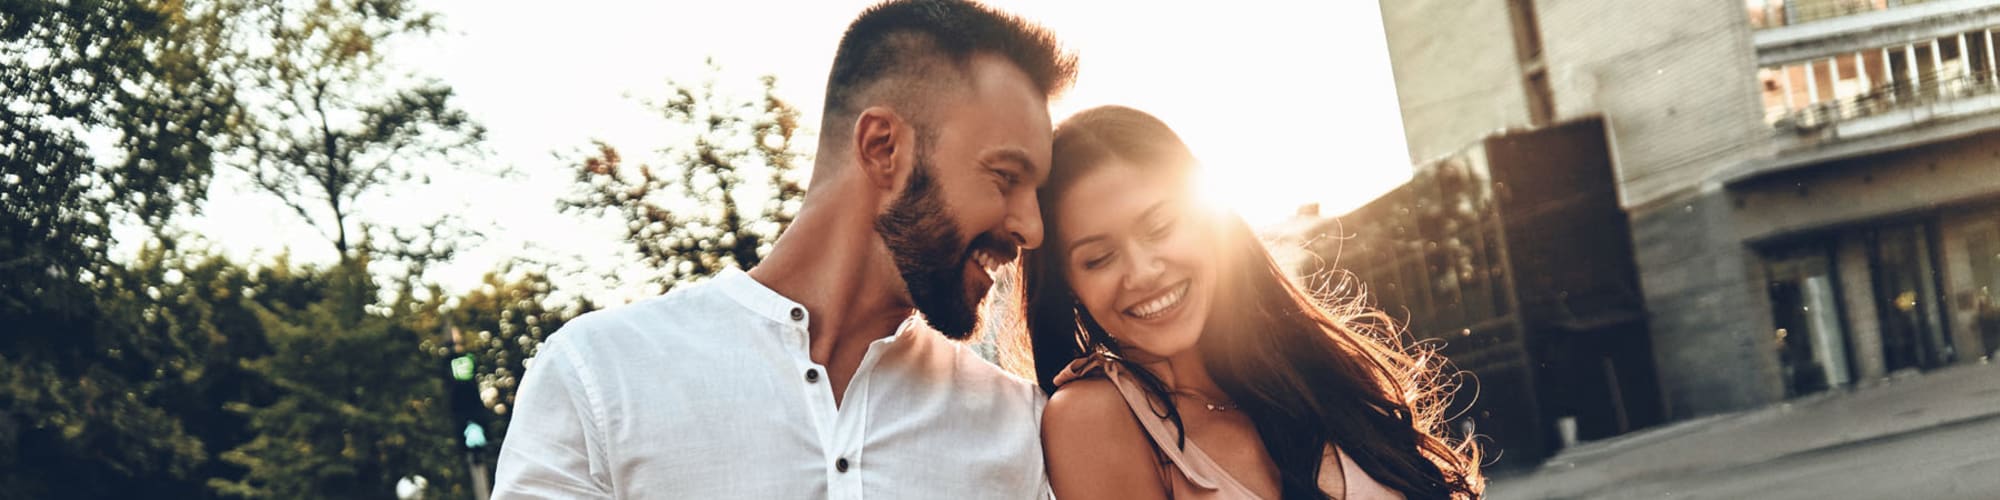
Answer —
909 38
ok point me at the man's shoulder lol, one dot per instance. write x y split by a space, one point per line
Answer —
972 370
684 308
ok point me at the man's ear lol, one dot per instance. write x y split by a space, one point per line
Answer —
878 136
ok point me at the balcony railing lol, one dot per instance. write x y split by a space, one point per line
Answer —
1928 88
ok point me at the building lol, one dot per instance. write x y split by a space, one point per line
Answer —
1513 253
1810 188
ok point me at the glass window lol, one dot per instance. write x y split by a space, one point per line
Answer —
1434 224
1775 13
1809 336
1983 248
1906 297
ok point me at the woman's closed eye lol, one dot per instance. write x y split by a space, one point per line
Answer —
1161 228
1098 261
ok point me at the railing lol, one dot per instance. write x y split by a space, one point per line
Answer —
1929 88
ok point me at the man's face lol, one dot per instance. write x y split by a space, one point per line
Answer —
968 206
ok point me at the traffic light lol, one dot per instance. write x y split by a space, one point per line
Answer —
462 389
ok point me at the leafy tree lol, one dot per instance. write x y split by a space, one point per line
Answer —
357 405
110 113
697 214
335 124
503 323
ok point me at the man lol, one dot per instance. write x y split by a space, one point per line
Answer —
807 377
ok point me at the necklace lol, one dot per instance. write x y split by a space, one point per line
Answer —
1210 404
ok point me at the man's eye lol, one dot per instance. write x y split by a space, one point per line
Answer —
1007 179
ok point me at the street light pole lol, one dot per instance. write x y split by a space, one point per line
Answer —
482 488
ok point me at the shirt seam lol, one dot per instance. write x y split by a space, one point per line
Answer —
592 402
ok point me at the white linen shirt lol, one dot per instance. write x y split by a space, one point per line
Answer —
708 392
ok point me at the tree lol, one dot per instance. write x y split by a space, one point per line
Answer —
503 324
357 403
698 214
177 373
336 125
357 407
111 112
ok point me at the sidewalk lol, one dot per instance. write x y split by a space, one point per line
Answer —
1879 411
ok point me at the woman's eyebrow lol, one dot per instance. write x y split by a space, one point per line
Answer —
1080 242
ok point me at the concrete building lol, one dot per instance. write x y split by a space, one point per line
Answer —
1812 187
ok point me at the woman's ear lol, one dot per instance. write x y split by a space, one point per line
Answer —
878 137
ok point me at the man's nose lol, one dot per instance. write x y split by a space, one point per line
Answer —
1024 222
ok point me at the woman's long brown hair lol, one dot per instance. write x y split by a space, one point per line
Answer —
1308 373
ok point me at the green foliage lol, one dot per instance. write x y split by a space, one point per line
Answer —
134 75
110 113
332 124
178 373
143 416
689 219
357 404
503 323
126 379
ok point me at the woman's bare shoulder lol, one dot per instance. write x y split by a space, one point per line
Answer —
1095 447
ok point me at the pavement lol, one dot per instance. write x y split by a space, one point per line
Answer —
1929 435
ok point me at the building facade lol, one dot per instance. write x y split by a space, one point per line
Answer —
1512 258
1811 188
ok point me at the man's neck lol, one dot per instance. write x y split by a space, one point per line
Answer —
831 261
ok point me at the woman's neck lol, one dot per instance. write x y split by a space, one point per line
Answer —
1185 373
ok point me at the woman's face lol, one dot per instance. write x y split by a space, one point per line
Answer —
1136 254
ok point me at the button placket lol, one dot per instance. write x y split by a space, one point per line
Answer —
819 400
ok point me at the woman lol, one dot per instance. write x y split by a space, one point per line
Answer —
1184 364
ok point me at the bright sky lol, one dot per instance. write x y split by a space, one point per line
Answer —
1287 103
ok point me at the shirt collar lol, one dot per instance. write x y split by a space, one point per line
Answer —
764 301
747 291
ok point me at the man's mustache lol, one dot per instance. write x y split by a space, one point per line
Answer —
993 243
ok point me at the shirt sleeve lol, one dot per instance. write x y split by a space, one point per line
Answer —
554 445
1048 491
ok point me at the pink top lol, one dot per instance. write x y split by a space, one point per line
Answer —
1208 478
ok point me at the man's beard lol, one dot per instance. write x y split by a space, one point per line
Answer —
923 240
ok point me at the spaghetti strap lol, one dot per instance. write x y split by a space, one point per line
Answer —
1196 466
1339 475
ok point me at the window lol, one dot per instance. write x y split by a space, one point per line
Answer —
1774 13
1432 250
1906 297
1805 312
1871 81
1983 248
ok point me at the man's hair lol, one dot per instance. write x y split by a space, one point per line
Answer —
925 46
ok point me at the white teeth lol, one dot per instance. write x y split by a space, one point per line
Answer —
987 262
1155 306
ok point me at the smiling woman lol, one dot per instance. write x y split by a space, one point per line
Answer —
1184 364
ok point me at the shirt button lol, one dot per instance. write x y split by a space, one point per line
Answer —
798 314
840 465
812 375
